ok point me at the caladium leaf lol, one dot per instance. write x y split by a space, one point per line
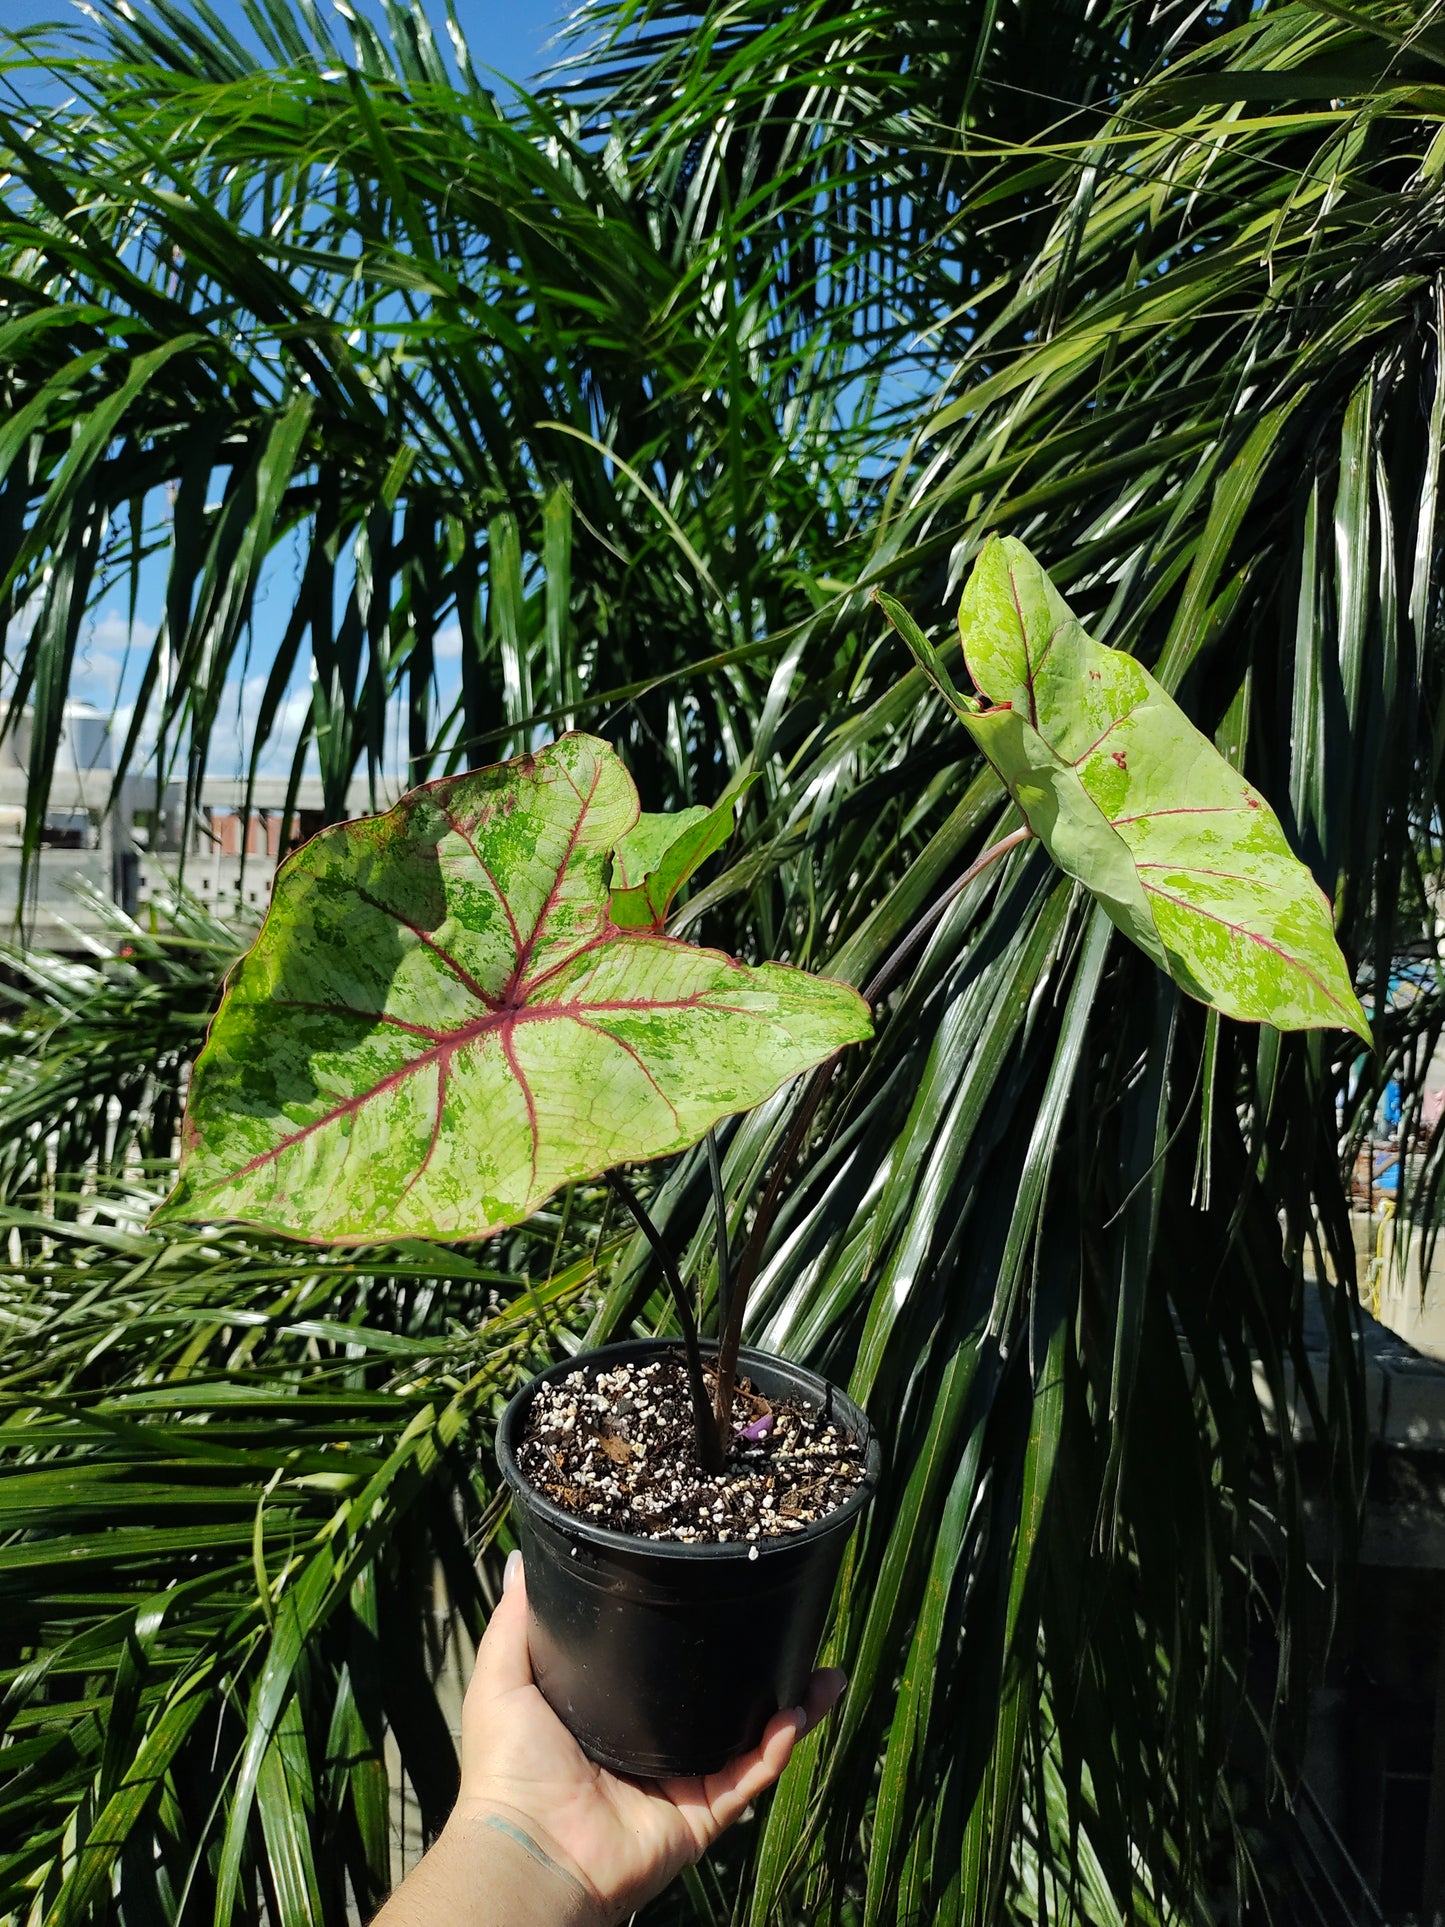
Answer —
1186 857
439 1023
661 851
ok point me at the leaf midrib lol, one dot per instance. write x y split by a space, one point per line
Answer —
446 1044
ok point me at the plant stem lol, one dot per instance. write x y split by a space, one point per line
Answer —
720 1214
883 977
711 1449
731 1334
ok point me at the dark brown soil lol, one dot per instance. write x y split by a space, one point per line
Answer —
617 1448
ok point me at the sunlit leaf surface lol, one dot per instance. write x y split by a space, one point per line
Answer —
1129 797
440 1025
657 856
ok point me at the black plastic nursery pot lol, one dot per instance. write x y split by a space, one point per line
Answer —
664 1658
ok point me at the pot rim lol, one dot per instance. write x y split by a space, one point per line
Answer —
841 1518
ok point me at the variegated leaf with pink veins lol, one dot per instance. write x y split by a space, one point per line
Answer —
1186 857
440 1024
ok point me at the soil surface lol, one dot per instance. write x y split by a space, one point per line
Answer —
617 1448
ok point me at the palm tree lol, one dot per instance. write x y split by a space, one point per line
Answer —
644 386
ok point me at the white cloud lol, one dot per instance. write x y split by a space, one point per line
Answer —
113 633
22 623
110 657
243 704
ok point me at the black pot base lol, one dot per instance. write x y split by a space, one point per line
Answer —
666 1659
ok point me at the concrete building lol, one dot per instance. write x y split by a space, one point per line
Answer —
132 843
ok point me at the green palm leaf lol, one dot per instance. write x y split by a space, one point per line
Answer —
816 300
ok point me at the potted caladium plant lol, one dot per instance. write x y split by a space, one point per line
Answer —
453 1010
456 1008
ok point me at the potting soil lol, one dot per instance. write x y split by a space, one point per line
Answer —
618 1448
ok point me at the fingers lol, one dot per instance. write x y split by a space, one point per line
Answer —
503 1662
729 1792
825 1689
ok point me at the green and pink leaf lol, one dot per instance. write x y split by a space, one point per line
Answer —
440 1023
1128 796
662 851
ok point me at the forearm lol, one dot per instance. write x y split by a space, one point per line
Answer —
489 1870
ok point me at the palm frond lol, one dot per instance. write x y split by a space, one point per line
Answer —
95 1052
1059 1229
358 321
244 1501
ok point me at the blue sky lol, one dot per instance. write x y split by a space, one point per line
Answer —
508 36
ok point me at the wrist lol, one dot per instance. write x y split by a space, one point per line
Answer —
491 1867
541 1883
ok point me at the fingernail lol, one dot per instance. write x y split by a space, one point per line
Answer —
511 1569
800 1720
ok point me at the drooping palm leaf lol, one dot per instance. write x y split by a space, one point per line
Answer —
235 1491
311 332
94 1051
1059 1229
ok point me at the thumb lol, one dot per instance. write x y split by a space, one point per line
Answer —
503 1662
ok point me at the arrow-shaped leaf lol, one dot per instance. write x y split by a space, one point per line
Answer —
1126 794
661 851
440 1024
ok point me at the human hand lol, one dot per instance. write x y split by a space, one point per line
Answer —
597 1846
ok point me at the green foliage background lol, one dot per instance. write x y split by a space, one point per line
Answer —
646 384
